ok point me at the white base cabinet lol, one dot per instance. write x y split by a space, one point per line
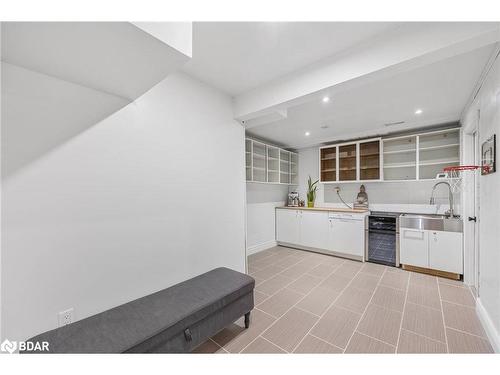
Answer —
314 229
287 226
322 230
445 251
436 250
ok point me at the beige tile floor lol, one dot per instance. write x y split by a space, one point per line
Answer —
313 303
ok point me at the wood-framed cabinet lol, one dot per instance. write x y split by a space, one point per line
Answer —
352 161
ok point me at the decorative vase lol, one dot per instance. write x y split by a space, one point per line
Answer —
310 204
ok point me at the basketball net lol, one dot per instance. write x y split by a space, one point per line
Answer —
459 176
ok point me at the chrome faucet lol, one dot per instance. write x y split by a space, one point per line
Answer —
450 197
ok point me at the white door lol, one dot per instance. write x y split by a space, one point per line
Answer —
314 229
347 236
287 226
414 247
445 251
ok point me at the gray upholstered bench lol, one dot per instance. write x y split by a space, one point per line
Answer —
173 320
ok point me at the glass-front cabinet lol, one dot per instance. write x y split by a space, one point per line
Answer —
400 158
437 151
273 166
354 161
270 164
348 162
328 164
259 163
284 167
420 156
369 160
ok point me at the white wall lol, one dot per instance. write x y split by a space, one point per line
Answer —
144 199
488 103
261 202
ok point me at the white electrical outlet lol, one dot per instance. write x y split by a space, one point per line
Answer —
65 317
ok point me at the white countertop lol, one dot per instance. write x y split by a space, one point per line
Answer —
329 209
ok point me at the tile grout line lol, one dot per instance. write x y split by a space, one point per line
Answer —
330 305
220 347
403 313
272 324
423 336
459 304
442 317
278 318
272 343
364 312
319 338
301 309
279 290
374 338
468 333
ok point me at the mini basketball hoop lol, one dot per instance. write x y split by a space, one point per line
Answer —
455 175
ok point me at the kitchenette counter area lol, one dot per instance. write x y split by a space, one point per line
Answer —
328 209
330 230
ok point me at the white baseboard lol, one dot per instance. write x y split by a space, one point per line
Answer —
260 247
488 326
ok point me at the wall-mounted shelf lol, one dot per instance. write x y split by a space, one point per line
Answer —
267 164
399 152
400 165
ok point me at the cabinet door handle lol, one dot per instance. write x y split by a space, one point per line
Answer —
473 218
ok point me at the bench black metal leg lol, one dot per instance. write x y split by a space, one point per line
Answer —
247 320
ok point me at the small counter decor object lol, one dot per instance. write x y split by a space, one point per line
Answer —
311 192
488 155
362 198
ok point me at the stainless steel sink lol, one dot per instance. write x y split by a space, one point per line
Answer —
431 222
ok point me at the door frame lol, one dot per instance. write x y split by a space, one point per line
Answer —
470 202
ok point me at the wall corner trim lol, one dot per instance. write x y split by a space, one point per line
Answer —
261 247
488 326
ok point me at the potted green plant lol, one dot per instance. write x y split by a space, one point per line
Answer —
311 192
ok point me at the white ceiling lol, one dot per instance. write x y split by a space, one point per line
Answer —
441 90
239 56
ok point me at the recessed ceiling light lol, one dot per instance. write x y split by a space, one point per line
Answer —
326 99
418 111
307 134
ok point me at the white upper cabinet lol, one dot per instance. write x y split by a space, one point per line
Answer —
400 158
437 151
270 164
410 157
